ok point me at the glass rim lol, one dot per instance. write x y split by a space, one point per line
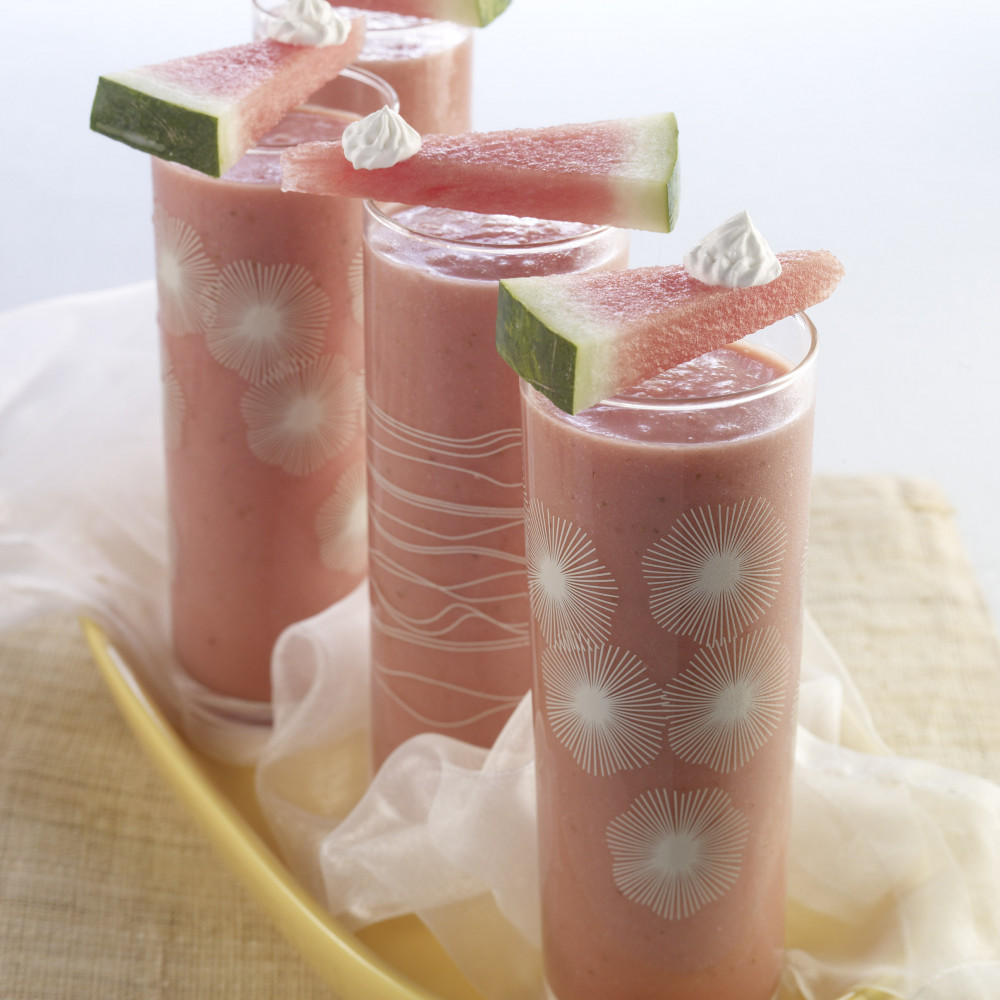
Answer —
355 73
685 403
406 22
362 75
373 209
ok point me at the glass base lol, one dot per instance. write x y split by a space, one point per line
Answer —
229 730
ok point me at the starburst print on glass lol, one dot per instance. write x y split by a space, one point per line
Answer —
717 570
268 319
602 706
356 285
306 417
572 594
729 702
185 277
174 404
675 851
342 524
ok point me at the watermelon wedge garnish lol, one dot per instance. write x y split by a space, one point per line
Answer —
580 338
618 173
206 111
476 13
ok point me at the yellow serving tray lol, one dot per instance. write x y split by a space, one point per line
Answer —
394 960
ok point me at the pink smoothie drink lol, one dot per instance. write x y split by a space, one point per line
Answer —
260 299
450 647
428 63
666 536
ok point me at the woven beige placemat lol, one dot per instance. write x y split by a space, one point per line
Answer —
889 582
107 889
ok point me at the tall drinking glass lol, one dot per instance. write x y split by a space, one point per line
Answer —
666 536
260 299
428 63
450 649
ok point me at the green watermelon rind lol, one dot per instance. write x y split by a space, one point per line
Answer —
554 371
166 121
572 363
205 111
489 10
578 352
657 145
472 13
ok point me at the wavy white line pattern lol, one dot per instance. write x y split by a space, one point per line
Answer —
675 852
342 523
572 594
492 704
469 457
268 319
602 706
447 569
729 702
306 417
185 277
717 570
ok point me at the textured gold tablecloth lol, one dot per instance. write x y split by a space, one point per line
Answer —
107 889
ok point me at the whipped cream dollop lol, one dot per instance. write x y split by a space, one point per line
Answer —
309 22
734 255
382 139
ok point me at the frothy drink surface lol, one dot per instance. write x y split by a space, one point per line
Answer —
665 552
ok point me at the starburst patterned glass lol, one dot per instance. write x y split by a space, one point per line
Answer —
305 418
268 319
572 594
342 523
677 851
717 570
729 702
185 277
602 706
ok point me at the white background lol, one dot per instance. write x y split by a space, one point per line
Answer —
868 127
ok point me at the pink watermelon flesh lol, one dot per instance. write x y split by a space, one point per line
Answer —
647 320
207 110
258 73
620 173
264 79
